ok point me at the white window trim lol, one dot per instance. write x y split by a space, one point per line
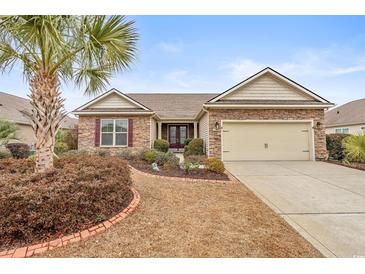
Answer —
114 133
341 129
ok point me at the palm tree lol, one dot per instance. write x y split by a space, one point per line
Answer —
86 50
7 131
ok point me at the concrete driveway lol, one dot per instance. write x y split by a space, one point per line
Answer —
323 202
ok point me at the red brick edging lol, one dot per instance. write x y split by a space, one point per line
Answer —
28 251
232 179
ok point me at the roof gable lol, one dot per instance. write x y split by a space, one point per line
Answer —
268 84
113 99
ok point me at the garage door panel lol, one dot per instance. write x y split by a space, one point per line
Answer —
266 141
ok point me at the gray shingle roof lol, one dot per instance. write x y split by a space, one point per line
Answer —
267 102
348 114
173 105
11 108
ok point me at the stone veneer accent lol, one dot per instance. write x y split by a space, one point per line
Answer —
141 131
317 115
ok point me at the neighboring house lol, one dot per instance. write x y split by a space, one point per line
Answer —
348 118
265 117
11 108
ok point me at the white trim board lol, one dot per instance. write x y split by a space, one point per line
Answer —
113 90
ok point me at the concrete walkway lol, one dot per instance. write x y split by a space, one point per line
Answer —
324 202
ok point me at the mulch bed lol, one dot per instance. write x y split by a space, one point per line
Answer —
194 174
181 219
360 166
80 192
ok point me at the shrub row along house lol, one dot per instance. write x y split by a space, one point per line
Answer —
265 117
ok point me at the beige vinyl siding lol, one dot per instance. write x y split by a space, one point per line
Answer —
353 129
203 130
113 101
267 87
266 141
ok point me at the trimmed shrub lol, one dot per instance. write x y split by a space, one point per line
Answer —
60 148
172 162
197 159
4 153
334 146
7 131
141 153
18 150
102 152
76 152
161 145
215 165
195 147
78 193
70 137
127 154
150 156
354 147
187 141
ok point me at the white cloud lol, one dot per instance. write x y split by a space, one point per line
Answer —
171 47
317 63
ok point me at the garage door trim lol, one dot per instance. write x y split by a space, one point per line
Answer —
312 148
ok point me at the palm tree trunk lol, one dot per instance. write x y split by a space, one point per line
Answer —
46 116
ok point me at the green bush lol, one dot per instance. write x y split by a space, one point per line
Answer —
161 145
102 152
7 131
172 162
196 159
60 148
18 150
150 156
70 137
127 154
187 141
141 153
195 147
215 165
161 158
334 146
4 153
354 147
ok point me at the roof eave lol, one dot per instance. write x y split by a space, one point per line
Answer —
113 112
265 106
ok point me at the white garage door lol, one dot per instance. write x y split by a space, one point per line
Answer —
266 141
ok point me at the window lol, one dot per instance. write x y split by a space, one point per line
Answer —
114 132
363 129
342 130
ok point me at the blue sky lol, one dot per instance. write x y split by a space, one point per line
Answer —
212 53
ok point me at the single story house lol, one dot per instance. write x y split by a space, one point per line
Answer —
348 118
11 109
265 117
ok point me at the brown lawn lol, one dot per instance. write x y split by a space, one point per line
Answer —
178 219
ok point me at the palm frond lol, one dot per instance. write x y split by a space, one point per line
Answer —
354 146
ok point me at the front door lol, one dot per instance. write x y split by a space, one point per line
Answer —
177 135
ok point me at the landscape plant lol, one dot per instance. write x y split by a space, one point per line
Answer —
55 49
161 145
7 131
354 147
